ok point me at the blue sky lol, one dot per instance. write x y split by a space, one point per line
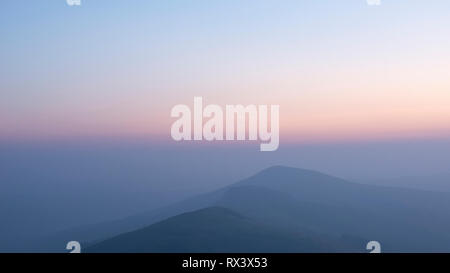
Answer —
115 68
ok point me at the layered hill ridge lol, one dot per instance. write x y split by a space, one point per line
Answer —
328 212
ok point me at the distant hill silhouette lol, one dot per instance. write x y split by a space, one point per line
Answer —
327 213
436 182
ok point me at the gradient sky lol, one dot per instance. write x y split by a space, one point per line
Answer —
340 70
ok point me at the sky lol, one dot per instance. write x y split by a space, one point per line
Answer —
86 94
340 70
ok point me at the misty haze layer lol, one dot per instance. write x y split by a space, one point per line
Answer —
51 187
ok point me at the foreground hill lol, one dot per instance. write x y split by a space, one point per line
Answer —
213 229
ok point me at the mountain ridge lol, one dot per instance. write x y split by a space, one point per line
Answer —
327 205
